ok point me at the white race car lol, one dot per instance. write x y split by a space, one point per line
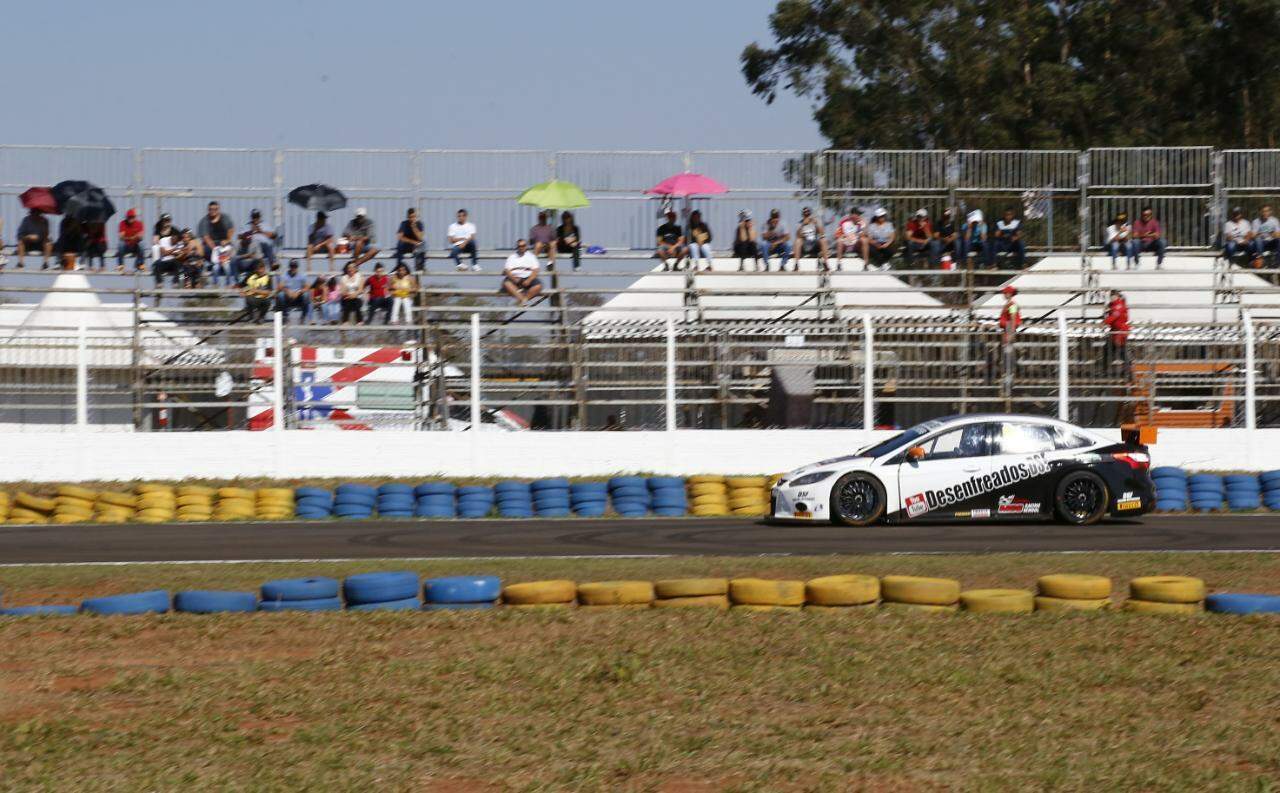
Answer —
976 467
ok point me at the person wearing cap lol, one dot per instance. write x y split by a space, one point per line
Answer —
260 235
320 238
974 239
293 293
851 235
920 241
811 240
215 228
1117 322
1149 236
946 234
130 233
520 274
1009 238
1120 240
360 232
462 239
1237 235
257 289
670 243
1266 233
776 240
411 237
746 241
1010 314
881 236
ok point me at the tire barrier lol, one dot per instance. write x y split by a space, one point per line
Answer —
315 604
396 500
1072 592
1171 489
210 602
998 601
708 496
284 589
690 587
540 593
404 604
156 503
153 602
916 591
462 590
514 499
667 496
390 589
313 503
765 592
842 590
748 496
1206 492
694 601
1242 603
275 503
39 611
590 499
551 497
918 608
475 501
354 501
616 593
630 496
6 504
234 503
1166 594
435 500
1269 481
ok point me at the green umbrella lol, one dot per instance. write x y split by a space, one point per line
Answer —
554 195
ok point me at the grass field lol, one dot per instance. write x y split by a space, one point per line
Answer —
642 700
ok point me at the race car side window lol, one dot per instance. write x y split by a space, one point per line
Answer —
960 443
1066 439
1018 438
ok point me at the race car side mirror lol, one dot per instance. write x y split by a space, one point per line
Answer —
915 453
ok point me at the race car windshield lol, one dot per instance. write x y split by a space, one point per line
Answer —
900 440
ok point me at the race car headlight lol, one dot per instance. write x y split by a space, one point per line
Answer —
810 479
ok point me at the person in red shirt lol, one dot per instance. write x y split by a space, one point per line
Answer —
1148 236
920 241
130 234
378 286
1010 319
1117 321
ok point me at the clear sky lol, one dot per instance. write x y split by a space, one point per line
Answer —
565 74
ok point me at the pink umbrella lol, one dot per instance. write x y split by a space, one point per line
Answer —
687 184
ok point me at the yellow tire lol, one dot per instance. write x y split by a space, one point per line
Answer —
274 516
857 608
998 601
221 518
690 587
615 593
714 499
70 502
237 503
919 608
153 513
234 492
35 503
709 511
193 500
1072 604
111 518
1167 589
693 602
752 512
195 490
127 500
81 493
842 590
194 517
65 518
540 592
157 501
35 517
752 500
759 607
284 493
766 592
114 512
615 607
920 591
540 606
152 487
742 482
1074 586
706 479
1158 607
708 489
274 501
141 519
74 511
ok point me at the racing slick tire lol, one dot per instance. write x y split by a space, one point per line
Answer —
1081 498
857 499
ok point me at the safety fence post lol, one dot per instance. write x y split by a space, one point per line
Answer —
82 377
1250 395
475 372
868 377
277 370
671 375
1064 404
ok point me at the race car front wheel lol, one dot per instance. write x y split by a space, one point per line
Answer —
1081 498
857 499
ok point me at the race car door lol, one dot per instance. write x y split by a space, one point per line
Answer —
944 483
1018 463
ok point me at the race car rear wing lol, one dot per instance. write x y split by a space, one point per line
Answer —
1138 433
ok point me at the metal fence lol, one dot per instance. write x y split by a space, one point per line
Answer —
1069 196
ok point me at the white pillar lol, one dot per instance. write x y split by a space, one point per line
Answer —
82 377
868 376
671 375
277 370
475 373
1064 379
1250 387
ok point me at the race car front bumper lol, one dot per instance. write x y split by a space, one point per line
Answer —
805 503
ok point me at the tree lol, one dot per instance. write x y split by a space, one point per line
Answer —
1026 74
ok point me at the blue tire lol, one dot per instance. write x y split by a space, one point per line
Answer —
1269 477
559 512
314 502
456 606
589 487
318 604
312 492
395 488
511 486
1206 492
665 483
630 491
670 512
434 489
667 492
473 513
632 513
581 507
1241 503
1166 481
551 502
667 503
437 499
516 513
435 511
1171 505
629 503
590 511
475 490
1168 470
514 503
1207 506
300 589
38 611
312 514
554 483
351 499
392 509
352 513
1204 478
405 604
153 602
364 491
396 513
1272 504
1241 479
209 602
628 481
462 589
380 587
475 501
1243 603
1239 487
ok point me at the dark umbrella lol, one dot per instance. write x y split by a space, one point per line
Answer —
91 206
63 191
40 198
317 197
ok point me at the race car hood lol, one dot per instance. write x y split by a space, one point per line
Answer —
851 462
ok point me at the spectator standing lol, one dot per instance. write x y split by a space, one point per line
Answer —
95 244
403 288
360 232
130 233
1266 233
542 238
1120 241
71 241
1149 236
881 236
1009 238
945 234
352 286
776 240
811 240
257 290
520 274
320 238
33 235
975 239
260 236
699 240
378 286
920 241
215 228
462 239
1117 322
746 241
411 238
293 293
569 239
670 243
1237 235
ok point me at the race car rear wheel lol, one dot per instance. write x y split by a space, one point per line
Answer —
857 499
1081 498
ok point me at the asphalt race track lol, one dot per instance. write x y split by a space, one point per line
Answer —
597 536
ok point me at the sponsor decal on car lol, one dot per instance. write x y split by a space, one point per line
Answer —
980 513
799 513
1016 505
1035 465
962 514
917 505
1128 500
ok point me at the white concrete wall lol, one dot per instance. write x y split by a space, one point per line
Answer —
89 456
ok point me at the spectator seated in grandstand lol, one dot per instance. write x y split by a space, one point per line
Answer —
360 232
670 246
320 238
130 233
542 239
1120 241
1266 234
260 235
1009 238
95 245
191 259
411 239
746 241
851 236
920 242
33 235
881 236
1149 236
326 299
1237 235
70 242
257 290
351 285
569 240
164 261
378 287
215 229
249 251
946 235
699 237
520 274
811 239
777 242
225 267
976 240
403 287
462 239
292 293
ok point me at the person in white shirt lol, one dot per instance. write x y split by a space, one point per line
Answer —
1120 241
1009 238
1266 233
851 235
1237 235
462 239
520 274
